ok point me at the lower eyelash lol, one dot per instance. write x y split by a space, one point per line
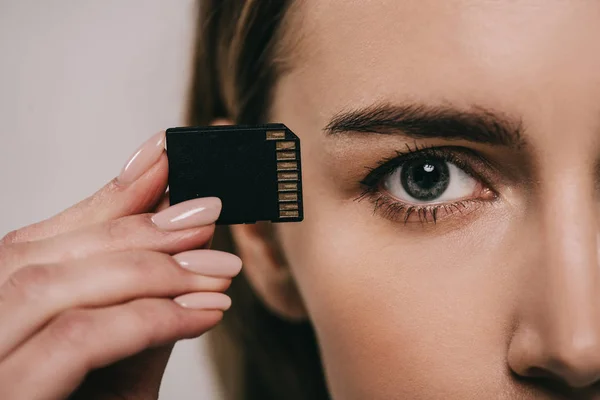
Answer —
394 210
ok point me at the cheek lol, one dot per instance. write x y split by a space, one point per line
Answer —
393 313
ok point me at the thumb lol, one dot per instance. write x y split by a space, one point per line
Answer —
138 188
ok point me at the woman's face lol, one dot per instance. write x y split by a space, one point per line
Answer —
451 157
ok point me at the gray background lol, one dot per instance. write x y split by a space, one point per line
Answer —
82 84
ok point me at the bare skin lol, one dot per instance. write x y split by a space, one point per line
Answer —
500 298
91 300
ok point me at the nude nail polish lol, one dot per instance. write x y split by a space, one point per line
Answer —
210 263
189 214
204 301
144 158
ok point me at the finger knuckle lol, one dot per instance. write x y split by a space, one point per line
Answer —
11 237
142 319
130 226
30 283
146 264
146 312
115 230
72 328
159 315
141 259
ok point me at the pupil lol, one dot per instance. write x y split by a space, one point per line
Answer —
425 179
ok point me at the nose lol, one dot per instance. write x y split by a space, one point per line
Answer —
558 325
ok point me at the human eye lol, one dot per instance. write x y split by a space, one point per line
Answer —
428 184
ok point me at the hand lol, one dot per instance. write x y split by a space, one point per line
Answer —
92 299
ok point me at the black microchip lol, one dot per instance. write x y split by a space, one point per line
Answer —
254 169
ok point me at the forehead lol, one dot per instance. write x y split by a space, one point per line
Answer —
501 54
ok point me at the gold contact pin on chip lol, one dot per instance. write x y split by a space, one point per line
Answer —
287 166
291 196
287 176
275 135
288 206
285 146
286 155
287 187
289 214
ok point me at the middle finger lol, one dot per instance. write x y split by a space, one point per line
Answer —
185 226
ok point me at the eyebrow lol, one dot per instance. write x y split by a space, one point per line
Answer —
421 121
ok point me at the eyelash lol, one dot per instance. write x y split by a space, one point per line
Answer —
396 210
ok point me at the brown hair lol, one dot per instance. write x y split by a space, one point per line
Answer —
259 356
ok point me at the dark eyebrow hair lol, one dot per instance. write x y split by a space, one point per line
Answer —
420 121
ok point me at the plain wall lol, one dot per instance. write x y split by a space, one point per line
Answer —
82 84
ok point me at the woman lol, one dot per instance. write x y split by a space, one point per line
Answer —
451 156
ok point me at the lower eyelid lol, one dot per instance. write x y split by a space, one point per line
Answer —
395 210
405 213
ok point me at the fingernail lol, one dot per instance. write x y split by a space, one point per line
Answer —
145 157
189 214
204 301
210 263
